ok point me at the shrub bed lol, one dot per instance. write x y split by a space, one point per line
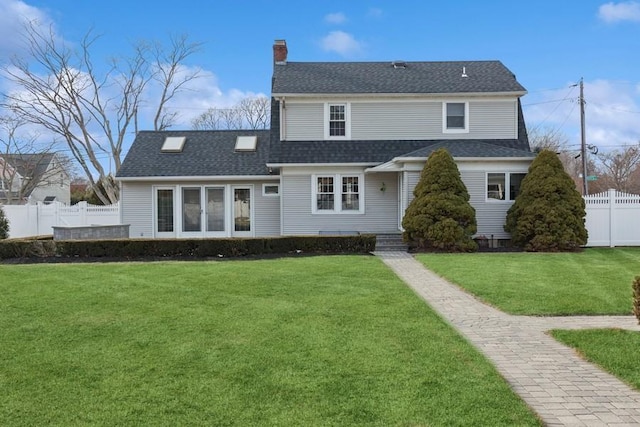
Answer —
127 249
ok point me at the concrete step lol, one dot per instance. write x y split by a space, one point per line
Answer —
390 243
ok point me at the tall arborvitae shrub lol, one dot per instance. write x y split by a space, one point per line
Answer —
4 225
636 298
440 216
548 213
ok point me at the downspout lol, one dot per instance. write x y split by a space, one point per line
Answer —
283 121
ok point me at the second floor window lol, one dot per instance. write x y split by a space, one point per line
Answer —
337 120
455 117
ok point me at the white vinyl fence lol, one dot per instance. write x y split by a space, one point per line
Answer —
37 220
613 219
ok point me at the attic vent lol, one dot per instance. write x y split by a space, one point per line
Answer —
399 64
246 143
173 144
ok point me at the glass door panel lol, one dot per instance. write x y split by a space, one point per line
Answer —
164 211
242 210
215 209
191 210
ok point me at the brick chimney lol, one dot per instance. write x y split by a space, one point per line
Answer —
280 52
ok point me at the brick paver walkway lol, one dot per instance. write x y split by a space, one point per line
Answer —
561 387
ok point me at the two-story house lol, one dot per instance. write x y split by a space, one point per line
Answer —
346 146
34 177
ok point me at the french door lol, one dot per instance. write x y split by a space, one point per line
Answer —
204 211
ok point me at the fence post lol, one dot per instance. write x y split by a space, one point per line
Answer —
612 217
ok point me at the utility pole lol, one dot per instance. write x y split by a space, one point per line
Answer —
583 141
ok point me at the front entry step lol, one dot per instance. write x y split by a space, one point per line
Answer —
390 243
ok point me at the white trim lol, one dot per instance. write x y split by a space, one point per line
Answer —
265 194
154 209
507 186
202 178
347 120
399 95
337 194
445 129
252 221
305 165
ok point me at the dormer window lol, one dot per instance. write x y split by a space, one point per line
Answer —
337 121
455 117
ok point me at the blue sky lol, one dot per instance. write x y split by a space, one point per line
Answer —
548 44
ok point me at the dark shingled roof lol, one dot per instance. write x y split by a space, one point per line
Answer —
205 153
383 78
304 152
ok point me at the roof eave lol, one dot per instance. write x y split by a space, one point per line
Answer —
396 95
280 165
197 178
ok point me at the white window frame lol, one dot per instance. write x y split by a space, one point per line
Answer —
347 119
445 129
176 218
264 190
337 194
507 187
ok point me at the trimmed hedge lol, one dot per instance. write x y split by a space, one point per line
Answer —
185 248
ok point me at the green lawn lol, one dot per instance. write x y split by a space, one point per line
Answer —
305 341
614 350
595 281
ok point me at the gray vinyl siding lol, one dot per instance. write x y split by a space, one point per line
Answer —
267 212
304 122
397 120
136 208
136 201
488 119
490 217
380 216
492 120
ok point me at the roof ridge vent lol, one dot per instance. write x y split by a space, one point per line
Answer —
399 64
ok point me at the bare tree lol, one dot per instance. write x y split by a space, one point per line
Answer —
26 164
249 113
618 166
255 111
61 90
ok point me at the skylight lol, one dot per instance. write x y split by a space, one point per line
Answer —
173 144
246 143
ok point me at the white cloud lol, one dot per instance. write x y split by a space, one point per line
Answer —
335 18
199 95
612 111
624 11
14 14
342 43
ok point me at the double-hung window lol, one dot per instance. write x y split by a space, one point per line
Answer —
503 185
455 117
338 194
325 197
337 121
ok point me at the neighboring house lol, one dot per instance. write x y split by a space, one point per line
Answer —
31 178
348 141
